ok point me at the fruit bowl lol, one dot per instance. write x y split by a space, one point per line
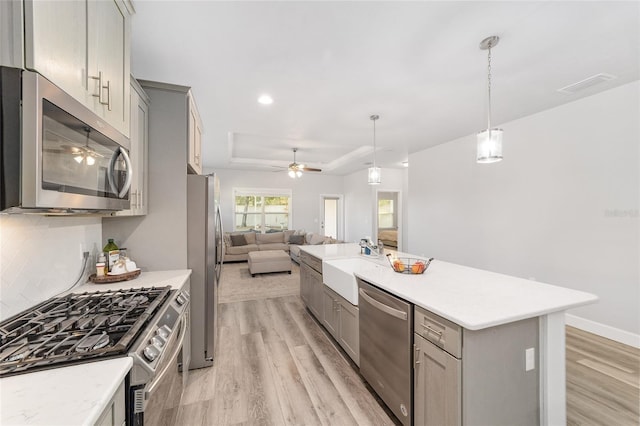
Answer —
409 265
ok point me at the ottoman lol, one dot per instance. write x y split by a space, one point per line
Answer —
262 262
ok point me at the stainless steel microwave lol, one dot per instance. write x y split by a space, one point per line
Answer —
57 156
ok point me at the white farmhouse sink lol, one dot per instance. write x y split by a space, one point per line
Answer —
338 275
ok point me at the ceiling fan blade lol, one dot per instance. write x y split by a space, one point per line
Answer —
310 169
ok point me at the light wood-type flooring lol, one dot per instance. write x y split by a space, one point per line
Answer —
603 381
275 365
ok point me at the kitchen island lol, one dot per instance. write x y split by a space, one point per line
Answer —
79 394
473 299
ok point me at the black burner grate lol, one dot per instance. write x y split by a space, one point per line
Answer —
77 328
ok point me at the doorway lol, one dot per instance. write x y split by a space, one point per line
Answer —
388 218
331 222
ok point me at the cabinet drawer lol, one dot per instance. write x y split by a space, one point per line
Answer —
312 261
439 331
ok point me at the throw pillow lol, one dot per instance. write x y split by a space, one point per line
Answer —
250 237
296 239
316 239
287 234
227 239
238 240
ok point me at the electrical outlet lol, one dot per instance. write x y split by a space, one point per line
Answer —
529 359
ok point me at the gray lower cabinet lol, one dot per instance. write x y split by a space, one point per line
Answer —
114 412
341 319
311 283
467 377
436 389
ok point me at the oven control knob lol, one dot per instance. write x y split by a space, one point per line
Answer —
158 341
164 331
151 353
180 300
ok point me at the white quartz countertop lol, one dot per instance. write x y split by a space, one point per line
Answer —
74 395
472 298
332 251
176 279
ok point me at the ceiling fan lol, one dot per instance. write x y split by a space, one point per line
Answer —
296 169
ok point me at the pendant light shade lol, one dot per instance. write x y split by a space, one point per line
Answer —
490 146
374 175
489 140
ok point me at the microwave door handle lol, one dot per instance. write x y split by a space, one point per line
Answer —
127 182
111 169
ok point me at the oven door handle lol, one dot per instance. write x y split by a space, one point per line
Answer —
152 386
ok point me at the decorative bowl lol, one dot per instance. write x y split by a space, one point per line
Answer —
409 265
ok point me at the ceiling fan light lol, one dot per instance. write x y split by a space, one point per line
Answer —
374 176
489 146
78 158
298 173
265 99
292 174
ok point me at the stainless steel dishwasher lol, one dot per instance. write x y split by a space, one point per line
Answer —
386 335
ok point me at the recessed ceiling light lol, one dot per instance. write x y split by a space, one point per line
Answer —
265 99
405 164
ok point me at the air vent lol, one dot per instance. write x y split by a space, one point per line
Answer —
587 82
138 401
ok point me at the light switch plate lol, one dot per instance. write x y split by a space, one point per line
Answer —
530 359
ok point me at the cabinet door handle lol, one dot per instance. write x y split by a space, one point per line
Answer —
101 88
108 103
431 330
416 355
99 95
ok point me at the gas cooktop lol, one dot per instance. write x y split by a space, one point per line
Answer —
77 328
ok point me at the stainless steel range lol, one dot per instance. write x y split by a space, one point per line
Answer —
148 324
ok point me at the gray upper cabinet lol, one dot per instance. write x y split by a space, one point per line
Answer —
194 164
82 47
139 153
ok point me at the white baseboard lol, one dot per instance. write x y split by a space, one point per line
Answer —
603 330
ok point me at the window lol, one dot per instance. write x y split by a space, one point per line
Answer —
261 210
386 215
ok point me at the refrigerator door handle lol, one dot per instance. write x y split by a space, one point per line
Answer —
220 245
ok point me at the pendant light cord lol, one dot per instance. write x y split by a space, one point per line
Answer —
489 91
374 142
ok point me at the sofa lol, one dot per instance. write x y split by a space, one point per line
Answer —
238 245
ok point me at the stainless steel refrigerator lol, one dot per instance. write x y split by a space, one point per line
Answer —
204 258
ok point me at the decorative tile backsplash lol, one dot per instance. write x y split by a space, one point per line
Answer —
41 256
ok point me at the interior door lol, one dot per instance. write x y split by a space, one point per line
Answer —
331 220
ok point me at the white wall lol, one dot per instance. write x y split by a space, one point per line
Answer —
41 256
562 207
306 191
360 201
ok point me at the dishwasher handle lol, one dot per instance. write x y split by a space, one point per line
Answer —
382 307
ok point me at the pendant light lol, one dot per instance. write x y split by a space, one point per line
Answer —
489 140
374 172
